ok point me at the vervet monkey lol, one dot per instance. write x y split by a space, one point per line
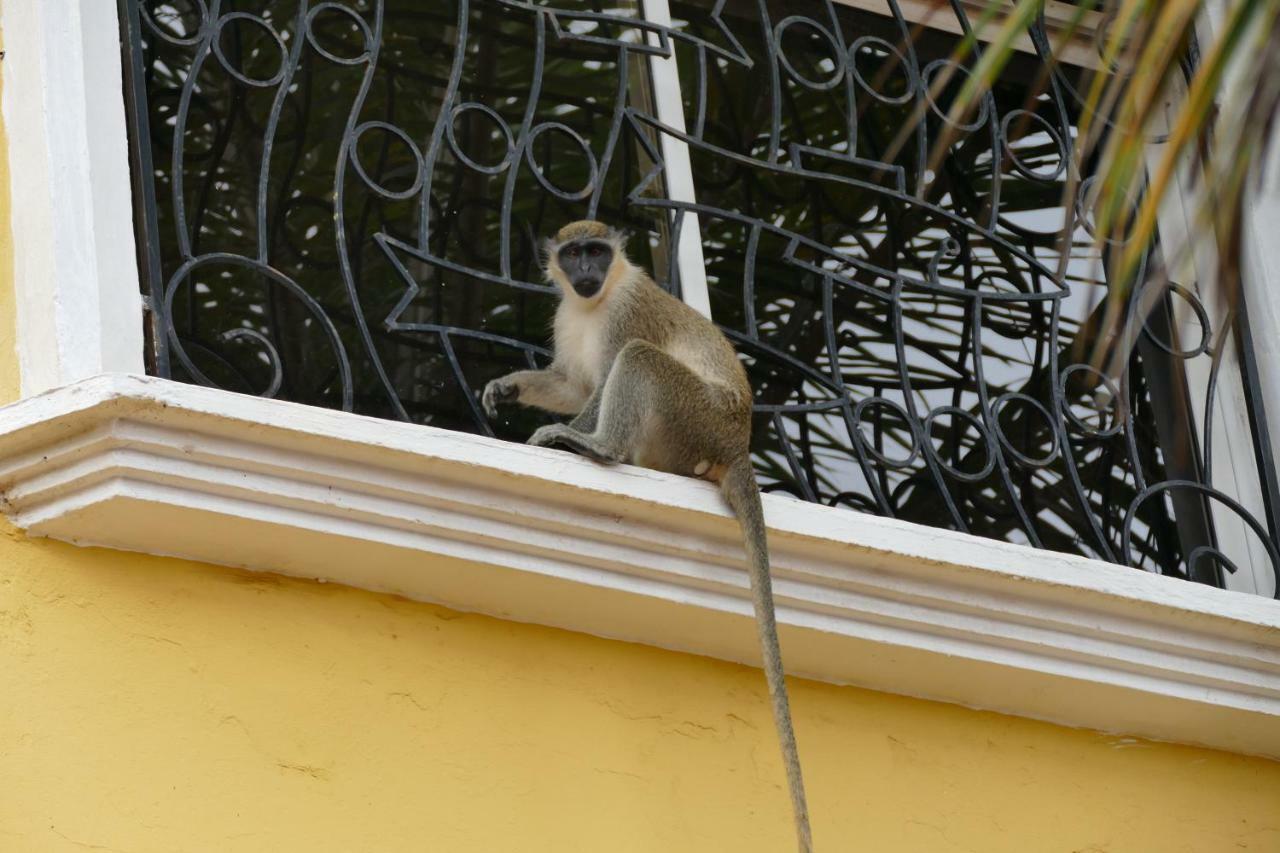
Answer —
652 382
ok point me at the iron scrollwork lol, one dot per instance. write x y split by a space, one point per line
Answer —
340 203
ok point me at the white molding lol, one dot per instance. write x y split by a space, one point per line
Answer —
543 536
79 308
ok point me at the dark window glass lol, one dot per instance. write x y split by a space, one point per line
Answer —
350 197
922 330
341 203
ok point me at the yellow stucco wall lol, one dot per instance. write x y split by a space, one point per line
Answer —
152 705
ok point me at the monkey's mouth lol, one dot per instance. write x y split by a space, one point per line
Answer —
587 286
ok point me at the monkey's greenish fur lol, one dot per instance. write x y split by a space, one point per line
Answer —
652 382
584 229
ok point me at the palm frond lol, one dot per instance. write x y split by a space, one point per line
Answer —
1218 131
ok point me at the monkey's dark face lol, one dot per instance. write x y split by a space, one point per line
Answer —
585 264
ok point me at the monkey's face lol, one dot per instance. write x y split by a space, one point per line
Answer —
585 264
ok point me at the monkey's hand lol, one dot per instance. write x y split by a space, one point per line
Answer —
499 391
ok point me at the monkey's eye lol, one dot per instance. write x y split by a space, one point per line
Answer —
574 252
594 251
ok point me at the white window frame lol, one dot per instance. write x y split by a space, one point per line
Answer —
71 200
97 453
677 166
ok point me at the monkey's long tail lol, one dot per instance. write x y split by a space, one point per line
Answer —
743 494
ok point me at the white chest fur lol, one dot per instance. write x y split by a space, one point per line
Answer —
579 340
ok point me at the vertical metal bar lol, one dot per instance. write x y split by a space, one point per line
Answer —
144 201
1179 440
678 169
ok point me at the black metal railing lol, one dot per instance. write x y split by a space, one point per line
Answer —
340 203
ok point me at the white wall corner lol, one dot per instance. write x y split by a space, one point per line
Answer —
1260 266
79 307
1261 280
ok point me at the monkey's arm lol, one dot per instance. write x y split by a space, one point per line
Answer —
548 389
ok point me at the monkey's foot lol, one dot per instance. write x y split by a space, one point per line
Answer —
566 436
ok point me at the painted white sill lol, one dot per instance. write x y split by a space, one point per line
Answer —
537 535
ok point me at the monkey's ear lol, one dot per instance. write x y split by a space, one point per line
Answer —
548 248
621 236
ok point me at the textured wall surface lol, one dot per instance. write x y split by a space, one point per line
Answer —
151 705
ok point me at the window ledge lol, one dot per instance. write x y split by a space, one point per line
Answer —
537 535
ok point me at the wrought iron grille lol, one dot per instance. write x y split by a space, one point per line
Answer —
340 204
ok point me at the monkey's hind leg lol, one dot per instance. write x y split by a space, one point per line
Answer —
579 442
640 391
